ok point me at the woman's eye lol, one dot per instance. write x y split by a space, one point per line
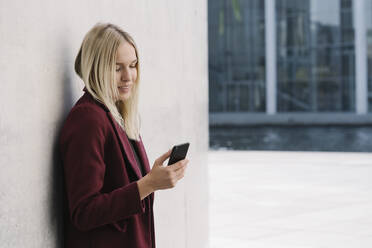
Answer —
118 69
133 66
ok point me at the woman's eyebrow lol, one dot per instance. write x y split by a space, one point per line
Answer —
121 63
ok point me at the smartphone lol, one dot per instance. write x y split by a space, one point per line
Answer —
178 153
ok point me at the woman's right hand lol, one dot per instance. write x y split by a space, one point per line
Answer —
165 177
162 177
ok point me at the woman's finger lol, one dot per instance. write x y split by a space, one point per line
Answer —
162 158
180 173
178 165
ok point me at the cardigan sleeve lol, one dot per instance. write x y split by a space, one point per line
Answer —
82 146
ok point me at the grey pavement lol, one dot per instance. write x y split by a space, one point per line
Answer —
290 199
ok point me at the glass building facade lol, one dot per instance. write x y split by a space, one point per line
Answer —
236 56
368 18
316 56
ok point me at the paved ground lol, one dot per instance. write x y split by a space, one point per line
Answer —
290 199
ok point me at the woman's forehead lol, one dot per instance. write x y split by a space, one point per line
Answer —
125 53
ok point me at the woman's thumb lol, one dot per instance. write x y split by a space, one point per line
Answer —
162 158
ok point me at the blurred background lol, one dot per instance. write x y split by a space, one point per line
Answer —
290 103
279 64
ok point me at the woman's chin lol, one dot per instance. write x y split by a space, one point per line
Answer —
124 97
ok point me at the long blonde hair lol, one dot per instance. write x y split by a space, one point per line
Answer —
95 64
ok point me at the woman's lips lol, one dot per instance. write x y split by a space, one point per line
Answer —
124 88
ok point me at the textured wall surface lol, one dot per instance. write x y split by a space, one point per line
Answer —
38 44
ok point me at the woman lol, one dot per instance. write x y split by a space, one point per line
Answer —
108 181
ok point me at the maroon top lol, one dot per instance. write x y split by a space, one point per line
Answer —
103 207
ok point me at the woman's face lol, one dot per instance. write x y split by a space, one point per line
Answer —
126 70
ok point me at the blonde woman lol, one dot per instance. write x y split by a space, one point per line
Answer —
108 181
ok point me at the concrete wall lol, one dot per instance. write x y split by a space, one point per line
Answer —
38 44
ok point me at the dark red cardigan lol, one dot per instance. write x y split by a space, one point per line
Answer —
103 207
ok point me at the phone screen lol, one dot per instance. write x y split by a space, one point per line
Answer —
178 153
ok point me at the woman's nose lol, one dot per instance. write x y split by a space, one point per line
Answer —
125 76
